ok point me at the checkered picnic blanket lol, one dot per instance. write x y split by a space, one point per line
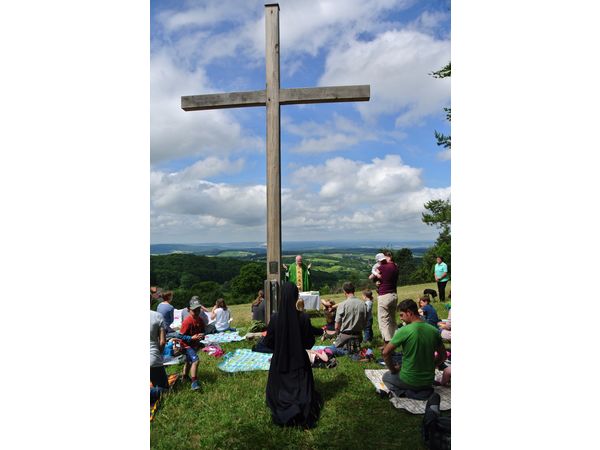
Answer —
410 405
245 360
220 338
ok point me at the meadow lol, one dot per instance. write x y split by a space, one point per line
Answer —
230 411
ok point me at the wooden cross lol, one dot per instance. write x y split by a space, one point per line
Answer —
273 97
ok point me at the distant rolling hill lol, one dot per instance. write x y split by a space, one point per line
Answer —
259 249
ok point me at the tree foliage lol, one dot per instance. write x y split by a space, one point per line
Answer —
245 286
442 139
439 215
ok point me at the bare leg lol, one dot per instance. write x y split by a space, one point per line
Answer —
194 369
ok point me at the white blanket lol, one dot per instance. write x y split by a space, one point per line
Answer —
410 405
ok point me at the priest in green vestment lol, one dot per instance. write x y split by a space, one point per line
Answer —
299 274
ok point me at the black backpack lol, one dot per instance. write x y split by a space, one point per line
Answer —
435 428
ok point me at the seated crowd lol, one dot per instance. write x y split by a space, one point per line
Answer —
420 340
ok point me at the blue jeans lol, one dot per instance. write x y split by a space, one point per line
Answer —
190 355
338 351
368 331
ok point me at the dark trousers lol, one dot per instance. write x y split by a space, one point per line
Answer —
368 331
442 290
158 377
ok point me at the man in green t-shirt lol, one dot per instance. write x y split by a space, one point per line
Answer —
418 341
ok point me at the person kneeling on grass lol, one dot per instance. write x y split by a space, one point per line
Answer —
290 393
192 326
350 321
329 327
419 342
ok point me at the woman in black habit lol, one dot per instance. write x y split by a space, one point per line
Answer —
291 391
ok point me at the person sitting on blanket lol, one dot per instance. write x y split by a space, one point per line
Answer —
220 314
419 342
290 392
192 326
445 327
428 312
350 321
258 307
166 309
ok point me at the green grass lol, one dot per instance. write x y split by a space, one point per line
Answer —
230 411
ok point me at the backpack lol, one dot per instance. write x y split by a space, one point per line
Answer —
435 428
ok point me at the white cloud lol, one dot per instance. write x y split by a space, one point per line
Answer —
362 182
175 133
339 133
397 65
342 197
444 155
304 28
187 193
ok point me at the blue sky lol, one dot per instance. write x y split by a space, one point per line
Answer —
349 170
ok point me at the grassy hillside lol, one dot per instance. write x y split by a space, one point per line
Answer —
230 411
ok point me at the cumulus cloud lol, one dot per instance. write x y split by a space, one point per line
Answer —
362 182
339 133
396 64
358 199
175 133
186 193
303 30
354 199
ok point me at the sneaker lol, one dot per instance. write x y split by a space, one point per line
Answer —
382 394
195 385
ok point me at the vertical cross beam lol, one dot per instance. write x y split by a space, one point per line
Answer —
273 152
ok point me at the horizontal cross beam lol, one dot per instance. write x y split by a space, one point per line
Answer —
295 96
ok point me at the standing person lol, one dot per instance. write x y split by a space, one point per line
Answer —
258 307
220 314
419 342
192 326
368 332
387 297
290 392
299 274
158 375
441 277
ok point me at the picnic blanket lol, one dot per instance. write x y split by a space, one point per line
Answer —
153 407
170 361
245 360
410 405
223 337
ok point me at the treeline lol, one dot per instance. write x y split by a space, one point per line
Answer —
207 277
238 281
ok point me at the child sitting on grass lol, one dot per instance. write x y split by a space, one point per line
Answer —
428 312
